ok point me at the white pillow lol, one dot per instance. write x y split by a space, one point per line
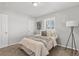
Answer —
51 33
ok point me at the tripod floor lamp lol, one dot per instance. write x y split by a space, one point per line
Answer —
71 25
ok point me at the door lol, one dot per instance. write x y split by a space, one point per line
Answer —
3 30
0 30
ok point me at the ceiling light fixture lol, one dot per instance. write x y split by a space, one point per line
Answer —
35 3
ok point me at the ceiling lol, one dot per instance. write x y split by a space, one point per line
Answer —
42 9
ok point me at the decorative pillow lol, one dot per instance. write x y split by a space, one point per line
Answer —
51 33
43 33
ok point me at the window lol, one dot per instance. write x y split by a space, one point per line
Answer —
50 23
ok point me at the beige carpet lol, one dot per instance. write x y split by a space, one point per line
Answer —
15 51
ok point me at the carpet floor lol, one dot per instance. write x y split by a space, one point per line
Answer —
15 51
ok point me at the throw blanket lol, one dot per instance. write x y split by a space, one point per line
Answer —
37 47
49 42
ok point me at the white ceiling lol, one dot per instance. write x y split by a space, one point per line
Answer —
42 9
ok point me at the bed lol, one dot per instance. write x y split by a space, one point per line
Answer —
38 45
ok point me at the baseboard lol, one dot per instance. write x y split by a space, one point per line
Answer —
67 47
9 45
12 44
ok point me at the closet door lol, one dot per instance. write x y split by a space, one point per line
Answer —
4 30
0 30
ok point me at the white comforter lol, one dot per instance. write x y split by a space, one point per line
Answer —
39 48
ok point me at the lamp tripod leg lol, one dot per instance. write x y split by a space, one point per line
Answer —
68 40
74 44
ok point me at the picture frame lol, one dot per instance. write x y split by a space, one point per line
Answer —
39 25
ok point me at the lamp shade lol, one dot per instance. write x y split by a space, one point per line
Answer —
71 24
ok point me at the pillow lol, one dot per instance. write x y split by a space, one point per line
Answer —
51 33
43 33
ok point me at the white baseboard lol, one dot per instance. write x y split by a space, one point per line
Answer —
12 44
67 47
9 45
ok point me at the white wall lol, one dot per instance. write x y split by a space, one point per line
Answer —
19 26
60 19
